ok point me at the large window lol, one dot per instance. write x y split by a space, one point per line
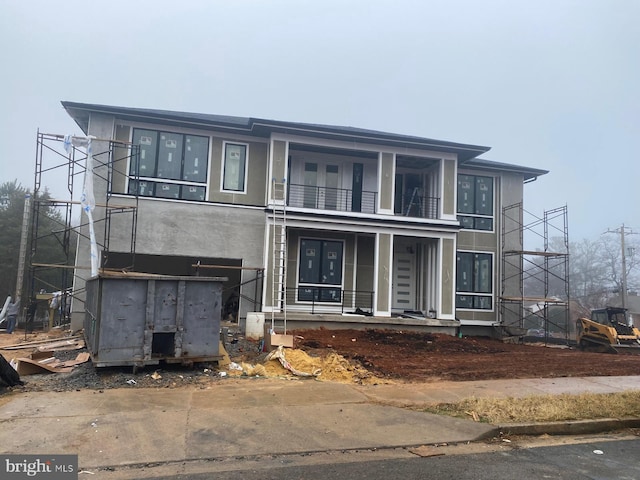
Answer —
170 165
474 281
320 270
234 167
475 202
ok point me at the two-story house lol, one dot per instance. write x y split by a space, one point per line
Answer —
341 224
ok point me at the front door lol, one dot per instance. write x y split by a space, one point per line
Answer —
404 279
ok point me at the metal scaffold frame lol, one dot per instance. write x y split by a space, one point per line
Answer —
541 310
54 164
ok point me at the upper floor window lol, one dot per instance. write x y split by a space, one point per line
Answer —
170 165
234 167
474 281
475 202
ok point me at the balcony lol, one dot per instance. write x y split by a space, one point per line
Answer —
416 205
325 198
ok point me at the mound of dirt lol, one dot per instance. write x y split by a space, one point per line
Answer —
330 367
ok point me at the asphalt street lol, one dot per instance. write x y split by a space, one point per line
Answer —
602 460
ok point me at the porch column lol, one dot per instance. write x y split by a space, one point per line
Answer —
386 181
382 269
448 280
449 189
277 167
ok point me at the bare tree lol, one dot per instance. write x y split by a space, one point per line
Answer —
611 258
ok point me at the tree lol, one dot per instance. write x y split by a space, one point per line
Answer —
611 258
595 271
50 247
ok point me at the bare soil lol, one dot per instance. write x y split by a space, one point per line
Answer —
387 355
419 357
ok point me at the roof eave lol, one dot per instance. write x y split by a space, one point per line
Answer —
263 128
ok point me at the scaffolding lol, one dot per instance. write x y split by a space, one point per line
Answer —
535 293
63 169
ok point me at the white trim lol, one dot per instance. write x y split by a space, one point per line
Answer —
223 165
265 263
390 273
354 275
347 225
479 323
376 265
366 147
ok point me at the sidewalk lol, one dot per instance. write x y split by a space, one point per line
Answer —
251 417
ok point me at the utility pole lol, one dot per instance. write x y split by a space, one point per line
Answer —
623 232
23 246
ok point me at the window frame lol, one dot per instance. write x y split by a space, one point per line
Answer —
223 167
322 287
475 292
154 182
476 217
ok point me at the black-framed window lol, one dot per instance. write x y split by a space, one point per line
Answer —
170 165
475 202
234 167
474 281
320 270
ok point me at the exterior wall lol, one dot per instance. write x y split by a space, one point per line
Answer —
168 227
233 225
256 169
256 173
100 126
508 190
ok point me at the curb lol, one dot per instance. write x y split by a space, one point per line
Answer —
574 427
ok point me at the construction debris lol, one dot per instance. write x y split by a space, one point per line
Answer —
49 364
279 355
76 342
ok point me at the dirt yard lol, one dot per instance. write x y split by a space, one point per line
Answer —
417 357
367 356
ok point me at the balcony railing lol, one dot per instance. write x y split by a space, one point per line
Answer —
414 205
325 198
319 299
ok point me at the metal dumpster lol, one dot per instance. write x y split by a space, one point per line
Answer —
138 319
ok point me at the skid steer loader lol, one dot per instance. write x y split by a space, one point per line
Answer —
608 330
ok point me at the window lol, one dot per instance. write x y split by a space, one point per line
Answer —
475 202
320 271
474 281
171 165
234 167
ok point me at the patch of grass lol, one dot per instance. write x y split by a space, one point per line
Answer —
545 408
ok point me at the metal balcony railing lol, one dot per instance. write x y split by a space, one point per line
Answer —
319 298
414 205
325 198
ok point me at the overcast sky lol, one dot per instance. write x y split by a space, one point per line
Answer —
550 84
